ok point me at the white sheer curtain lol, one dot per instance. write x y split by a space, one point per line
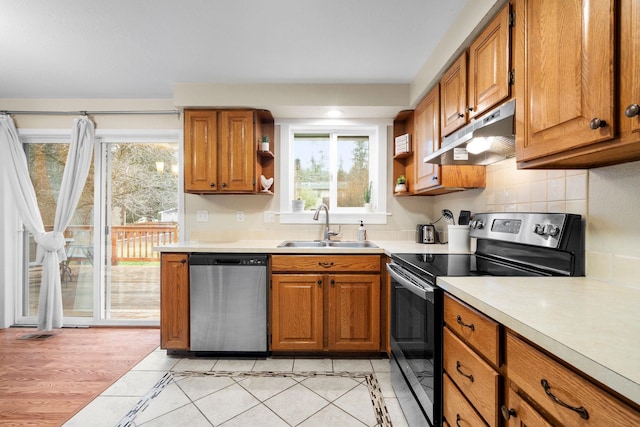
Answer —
51 244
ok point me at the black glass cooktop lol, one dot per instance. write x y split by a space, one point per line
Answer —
430 266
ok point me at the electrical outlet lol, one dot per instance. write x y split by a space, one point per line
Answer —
202 216
269 217
240 216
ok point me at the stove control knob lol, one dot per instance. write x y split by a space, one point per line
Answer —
479 225
539 229
551 230
472 223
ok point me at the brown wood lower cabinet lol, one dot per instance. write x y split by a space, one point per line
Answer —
531 388
174 301
563 394
325 303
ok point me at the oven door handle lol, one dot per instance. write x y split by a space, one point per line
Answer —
425 291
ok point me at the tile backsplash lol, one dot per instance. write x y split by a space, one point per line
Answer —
512 190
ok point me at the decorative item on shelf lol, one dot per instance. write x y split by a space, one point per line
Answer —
266 184
297 205
403 144
264 143
367 197
401 184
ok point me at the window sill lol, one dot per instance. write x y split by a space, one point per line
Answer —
335 218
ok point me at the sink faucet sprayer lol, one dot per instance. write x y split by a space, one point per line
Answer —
327 233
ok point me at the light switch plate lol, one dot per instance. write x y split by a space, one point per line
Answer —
269 217
202 216
240 216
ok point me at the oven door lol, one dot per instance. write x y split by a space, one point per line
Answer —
416 346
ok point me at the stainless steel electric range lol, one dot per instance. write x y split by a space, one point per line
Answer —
508 244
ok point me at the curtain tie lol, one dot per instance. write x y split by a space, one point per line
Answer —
50 241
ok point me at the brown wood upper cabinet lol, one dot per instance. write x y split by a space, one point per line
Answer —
425 178
468 89
220 150
577 83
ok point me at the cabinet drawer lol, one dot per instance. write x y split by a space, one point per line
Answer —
476 329
529 367
328 263
475 377
457 409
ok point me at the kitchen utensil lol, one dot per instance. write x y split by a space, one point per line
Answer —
426 233
464 218
449 215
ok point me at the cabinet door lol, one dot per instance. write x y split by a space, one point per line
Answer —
629 70
453 96
296 312
174 301
564 75
489 62
427 140
354 312
237 151
200 151
519 413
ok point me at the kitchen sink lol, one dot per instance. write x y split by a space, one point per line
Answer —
323 244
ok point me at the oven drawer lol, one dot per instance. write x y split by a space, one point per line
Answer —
322 263
457 409
476 329
477 380
528 367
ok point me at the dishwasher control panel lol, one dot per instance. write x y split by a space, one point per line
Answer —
227 259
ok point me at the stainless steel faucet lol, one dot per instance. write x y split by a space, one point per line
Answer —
327 233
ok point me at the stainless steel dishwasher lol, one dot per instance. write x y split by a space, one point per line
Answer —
228 297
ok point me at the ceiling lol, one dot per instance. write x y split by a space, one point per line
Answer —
141 48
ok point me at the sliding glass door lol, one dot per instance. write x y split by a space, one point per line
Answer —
140 211
112 274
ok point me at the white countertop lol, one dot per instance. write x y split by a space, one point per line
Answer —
591 325
271 246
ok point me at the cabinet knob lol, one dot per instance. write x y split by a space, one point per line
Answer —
507 412
632 110
434 178
224 184
183 261
320 282
460 115
333 282
469 108
597 123
213 184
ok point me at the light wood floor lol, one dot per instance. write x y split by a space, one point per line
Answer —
44 382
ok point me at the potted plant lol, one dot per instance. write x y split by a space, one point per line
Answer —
401 184
367 196
264 143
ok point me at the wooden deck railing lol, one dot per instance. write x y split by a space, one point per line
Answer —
133 242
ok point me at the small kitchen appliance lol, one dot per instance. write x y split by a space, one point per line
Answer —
426 233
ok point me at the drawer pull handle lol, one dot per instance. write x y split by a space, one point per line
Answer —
460 322
325 264
470 377
547 389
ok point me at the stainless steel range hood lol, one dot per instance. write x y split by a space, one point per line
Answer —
484 141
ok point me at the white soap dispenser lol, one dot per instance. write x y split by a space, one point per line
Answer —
362 232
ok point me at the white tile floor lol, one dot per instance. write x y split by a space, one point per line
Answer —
166 390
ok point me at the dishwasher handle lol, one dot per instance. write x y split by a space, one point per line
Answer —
240 260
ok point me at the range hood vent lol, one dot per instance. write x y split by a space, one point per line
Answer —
484 141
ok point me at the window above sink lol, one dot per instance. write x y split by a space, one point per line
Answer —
333 162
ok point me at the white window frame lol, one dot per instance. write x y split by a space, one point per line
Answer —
377 132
